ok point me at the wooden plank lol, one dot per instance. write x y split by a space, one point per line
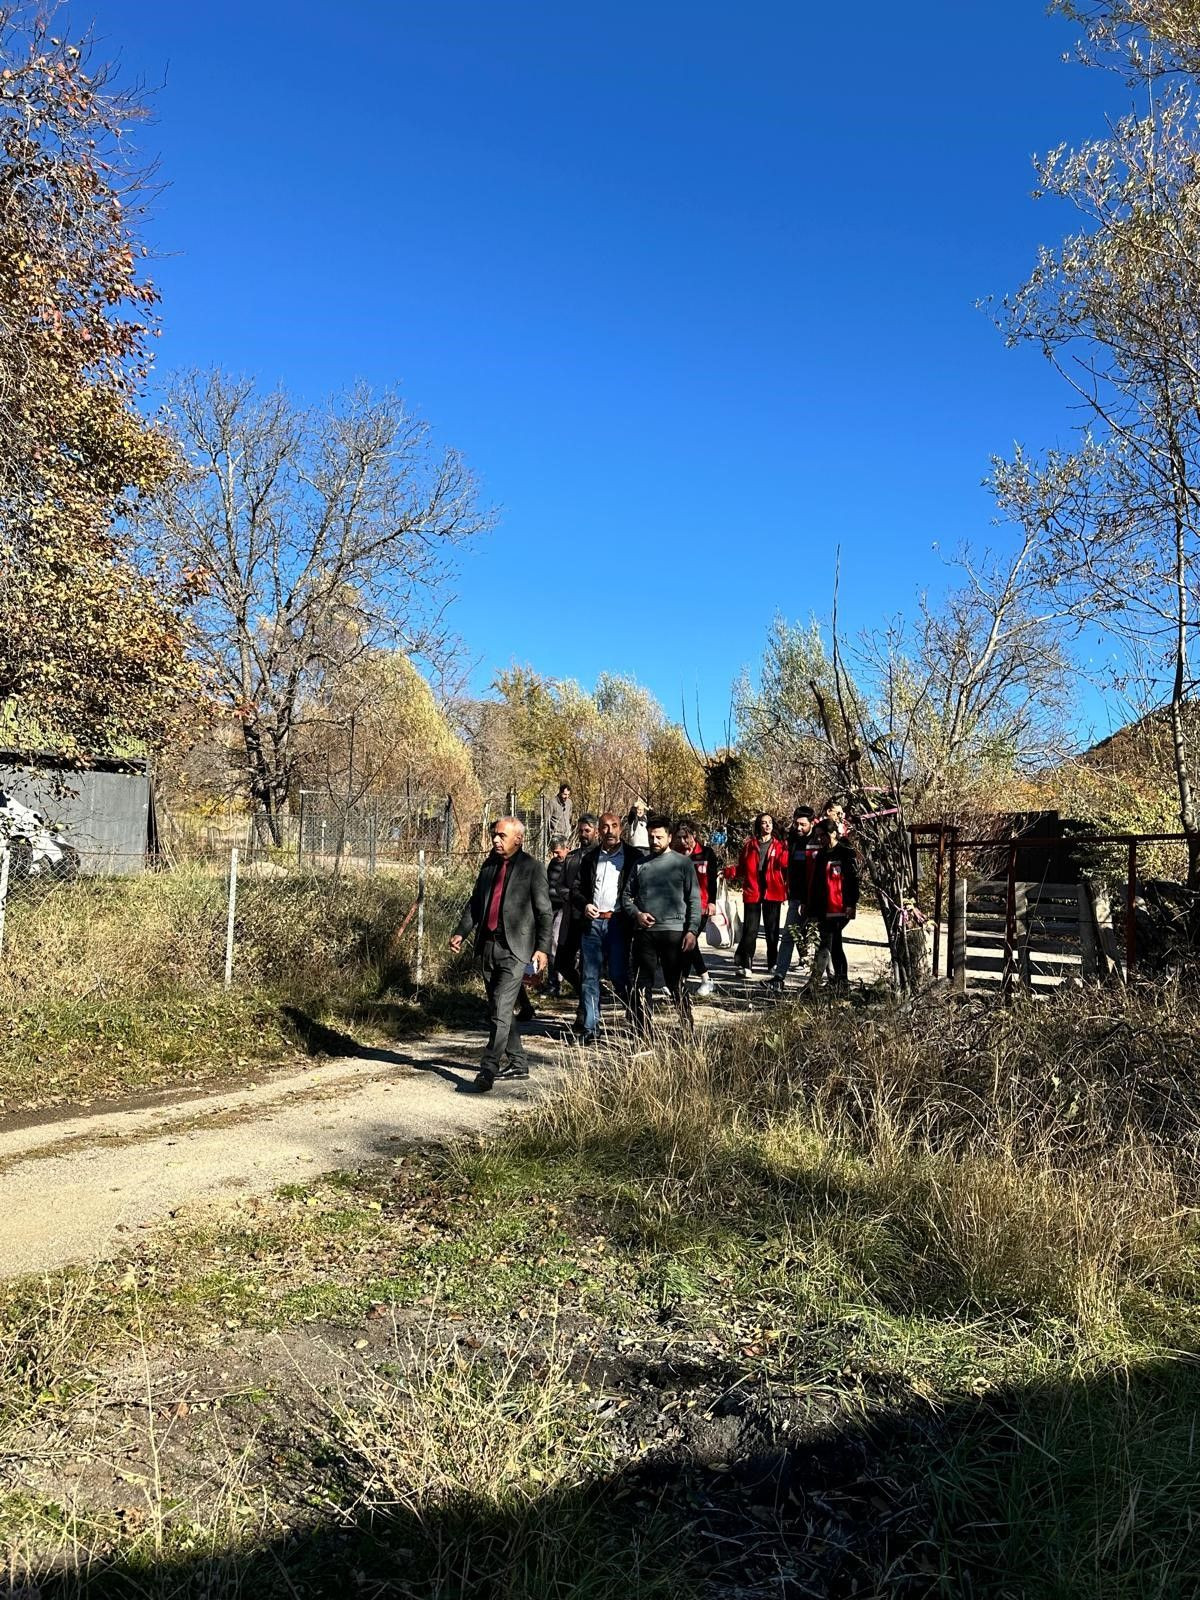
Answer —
958 933
1108 949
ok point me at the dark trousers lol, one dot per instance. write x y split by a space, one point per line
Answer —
652 947
795 926
831 952
769 910
502 975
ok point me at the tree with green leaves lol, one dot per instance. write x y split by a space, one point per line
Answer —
611 744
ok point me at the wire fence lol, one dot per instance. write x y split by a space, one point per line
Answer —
323 833
227 921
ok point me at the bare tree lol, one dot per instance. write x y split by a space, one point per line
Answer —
913 718
319 536
1116 310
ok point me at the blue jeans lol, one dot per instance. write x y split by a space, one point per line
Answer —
603 942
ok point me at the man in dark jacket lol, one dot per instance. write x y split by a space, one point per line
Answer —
566 959
604 928
559 896
662 899
803 848
510 911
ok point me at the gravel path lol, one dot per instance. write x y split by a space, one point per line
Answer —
75 1185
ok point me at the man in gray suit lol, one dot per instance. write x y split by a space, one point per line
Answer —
510 911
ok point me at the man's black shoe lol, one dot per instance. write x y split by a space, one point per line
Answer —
512 1069
484 1080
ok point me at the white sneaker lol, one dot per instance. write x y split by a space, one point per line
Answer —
705 986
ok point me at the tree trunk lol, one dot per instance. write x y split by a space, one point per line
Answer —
889 863
1179 684
267 787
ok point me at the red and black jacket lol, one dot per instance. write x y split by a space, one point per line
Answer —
708 871
835 883
776 887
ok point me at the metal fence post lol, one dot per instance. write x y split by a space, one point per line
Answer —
420 917
372 835
233 864
1131 911
4 864
958 936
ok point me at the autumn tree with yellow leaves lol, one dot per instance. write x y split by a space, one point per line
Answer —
91 644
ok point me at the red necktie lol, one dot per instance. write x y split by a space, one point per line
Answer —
493 915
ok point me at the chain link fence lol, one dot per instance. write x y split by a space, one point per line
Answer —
228 921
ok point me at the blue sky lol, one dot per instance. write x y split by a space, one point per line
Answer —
691 287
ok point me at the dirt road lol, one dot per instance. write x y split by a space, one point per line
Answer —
74 1186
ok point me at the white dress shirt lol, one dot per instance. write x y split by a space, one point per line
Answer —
608 873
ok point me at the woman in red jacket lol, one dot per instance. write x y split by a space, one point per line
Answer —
762 873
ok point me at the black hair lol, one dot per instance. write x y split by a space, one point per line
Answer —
758 820
588 816
803 811
658 820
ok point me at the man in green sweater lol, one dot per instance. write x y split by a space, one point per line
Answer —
662 901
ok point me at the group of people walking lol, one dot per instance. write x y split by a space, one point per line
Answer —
808 879
631 900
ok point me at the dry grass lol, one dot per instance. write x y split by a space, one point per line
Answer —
495 1456
977 1225
1044 1158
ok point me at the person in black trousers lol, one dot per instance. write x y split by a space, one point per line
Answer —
686 840
560 895
566 955
661 898
762 872
834 903
509 911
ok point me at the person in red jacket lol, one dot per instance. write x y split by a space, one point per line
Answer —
686 839
835 902
762 873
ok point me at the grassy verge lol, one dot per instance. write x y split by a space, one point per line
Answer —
114 985
850 1301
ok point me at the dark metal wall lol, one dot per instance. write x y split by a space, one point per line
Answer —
106 814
